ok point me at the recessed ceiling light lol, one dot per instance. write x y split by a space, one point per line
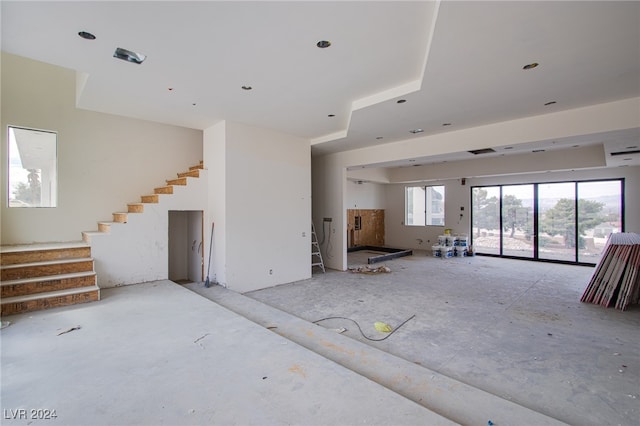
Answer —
508 147
170 89
401 101
414 131
323 44
575 146
331 115
412 161
632 147
550 103
129 56
446 124
379 137
538 150
86 35
194 104
247 87
530 66
627 159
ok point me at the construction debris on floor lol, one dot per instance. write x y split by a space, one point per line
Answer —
616 279
367 269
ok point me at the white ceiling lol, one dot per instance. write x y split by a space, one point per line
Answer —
453 62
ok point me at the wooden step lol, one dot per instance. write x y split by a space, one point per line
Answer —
104 226
54 299
23 287
191 173
120 217
179 181
200 166
135 208
43 269
151 199
164 190
29 253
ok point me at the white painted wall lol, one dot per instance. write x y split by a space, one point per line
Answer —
267 206
366 195
104 161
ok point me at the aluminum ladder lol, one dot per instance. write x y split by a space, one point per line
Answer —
316 255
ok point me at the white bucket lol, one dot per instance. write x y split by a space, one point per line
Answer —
442 240
436 251
446 252
463 241
450 240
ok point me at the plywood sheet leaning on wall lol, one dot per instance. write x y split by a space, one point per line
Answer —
365 227
616 279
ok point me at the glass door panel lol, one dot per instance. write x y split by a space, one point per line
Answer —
599 215
517 220
486 219
556 221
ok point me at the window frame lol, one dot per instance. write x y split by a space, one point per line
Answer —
429 212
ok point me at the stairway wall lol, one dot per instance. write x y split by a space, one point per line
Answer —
138 251
104 161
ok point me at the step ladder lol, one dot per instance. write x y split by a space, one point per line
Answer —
316 256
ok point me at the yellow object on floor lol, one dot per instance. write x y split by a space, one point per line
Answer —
382 327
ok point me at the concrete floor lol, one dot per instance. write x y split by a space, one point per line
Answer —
158 353
516 329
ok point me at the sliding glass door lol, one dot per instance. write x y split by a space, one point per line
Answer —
562 221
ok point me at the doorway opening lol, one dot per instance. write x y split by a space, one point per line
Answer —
186 247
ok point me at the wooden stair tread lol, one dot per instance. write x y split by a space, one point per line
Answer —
57 293
48 262
48 278
42 246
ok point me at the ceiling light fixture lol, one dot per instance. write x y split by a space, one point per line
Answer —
530 66
446 124
86 35
508 147
481 151
414 131
247 88
550 103
323 44
538 150
331 115
379 137
129 56
401 101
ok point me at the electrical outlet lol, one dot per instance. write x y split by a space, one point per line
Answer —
304 234
328 219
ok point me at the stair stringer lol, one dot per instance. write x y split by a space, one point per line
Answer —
138 251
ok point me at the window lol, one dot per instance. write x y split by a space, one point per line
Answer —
424 205
559 221
32 168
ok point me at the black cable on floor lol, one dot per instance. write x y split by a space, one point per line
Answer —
361 332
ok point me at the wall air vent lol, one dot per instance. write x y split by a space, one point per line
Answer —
636 151
482 151
129 56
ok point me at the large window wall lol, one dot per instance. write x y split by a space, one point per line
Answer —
562 221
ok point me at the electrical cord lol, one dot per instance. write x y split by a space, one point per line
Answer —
361 332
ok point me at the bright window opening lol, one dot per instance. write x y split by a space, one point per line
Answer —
424 205
33 178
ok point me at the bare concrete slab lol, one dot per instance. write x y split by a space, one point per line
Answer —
159 354
514 328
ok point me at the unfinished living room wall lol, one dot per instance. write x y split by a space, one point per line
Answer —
262 212
104 161
458 195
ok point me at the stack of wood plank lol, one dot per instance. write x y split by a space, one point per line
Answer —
616 279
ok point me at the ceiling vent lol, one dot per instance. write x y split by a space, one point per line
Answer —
129 56
636 151
482 151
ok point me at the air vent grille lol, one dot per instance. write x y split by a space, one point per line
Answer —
482 151
635 151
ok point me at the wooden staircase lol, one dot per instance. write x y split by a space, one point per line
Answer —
122 217
42 276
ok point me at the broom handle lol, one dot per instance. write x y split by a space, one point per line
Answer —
210 250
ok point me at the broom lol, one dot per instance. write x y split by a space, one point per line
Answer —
207 283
